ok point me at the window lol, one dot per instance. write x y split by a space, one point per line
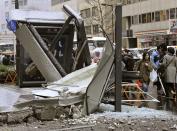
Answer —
162 15
25 2
5 47
135 19
94 11
172 13
6 3
82 13
130 1
148 17
6 15
144 18
153 17
95 29
3 27
132 20
22 2
167 14
85 13
62 1
140 19
88 29
157 16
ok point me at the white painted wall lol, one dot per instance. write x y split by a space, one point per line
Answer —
38 4
4 9
155 26
6 35
31 4
74 4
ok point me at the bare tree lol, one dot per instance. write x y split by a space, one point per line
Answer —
99 18
104 13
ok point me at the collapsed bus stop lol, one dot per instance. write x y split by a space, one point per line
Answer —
64 80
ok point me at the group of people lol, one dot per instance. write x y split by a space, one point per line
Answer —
6 59
164 61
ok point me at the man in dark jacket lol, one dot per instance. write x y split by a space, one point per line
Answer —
156 58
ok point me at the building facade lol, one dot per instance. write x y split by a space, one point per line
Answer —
94 13
99 13
5 35
57 5
152 22
6 6
37 4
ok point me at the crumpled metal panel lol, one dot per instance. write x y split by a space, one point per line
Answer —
38 56
96 88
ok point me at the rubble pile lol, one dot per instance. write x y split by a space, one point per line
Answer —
41 113
71 118
74 83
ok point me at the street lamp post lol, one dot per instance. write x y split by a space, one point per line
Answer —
112 8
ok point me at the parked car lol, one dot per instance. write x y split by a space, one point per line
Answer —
136 52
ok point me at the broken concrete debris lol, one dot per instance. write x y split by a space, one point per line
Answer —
45 113
76 111
19 116
42 113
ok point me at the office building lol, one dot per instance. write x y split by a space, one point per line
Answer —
94 14
152 22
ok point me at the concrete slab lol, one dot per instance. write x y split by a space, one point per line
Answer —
19 104
10 95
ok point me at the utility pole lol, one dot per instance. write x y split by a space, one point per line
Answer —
118 58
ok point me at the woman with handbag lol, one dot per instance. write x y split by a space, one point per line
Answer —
170 64
145 67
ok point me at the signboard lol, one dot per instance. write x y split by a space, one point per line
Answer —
145 38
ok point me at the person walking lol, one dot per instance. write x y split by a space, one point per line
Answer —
156 58
96 57
128 61
170 67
